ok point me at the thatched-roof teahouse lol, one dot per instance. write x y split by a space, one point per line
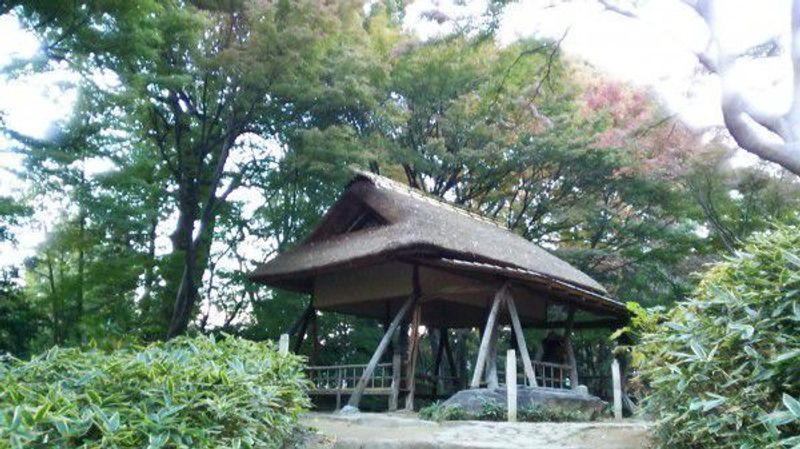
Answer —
392 253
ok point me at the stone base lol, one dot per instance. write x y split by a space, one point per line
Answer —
473 400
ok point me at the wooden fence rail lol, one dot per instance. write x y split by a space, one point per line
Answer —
548 375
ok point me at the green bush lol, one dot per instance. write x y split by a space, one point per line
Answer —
723 367
492 411
544 414
438 412
186 393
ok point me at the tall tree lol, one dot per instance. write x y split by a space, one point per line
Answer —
193 81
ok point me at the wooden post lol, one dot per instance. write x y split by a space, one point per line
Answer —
486 339
339 387
283 344
511 385
387 337
411 380
314 339
523 347
397 367
573 364
437 362
445 335
617 385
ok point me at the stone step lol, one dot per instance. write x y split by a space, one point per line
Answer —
405 431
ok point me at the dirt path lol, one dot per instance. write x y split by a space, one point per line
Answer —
399 431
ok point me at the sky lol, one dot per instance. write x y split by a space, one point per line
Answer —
655 52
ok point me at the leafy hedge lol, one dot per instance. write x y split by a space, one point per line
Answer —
723 367
186 393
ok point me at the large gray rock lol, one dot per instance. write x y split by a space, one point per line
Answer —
473 400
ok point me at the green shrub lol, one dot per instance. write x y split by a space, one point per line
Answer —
438 412
723 367
186 393
492 411
545 414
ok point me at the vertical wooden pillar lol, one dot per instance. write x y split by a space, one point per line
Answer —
573 363
339 387
437 361
412 358
384 343
312 360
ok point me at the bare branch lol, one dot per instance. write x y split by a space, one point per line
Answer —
609 6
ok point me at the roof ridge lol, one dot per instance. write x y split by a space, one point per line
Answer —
383 181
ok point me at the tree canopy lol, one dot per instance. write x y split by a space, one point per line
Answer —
226 129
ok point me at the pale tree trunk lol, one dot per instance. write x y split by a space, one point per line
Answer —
771 137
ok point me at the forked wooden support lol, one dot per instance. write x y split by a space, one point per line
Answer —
483 352
522 346
376 357
488 348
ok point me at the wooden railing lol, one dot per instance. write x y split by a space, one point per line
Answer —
548 375
551 375
334 379
339 380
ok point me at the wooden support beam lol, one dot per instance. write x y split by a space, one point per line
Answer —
492 380
411 378
384 343
486 339
303 328
520 339
300 319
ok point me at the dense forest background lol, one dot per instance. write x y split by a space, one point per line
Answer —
227 128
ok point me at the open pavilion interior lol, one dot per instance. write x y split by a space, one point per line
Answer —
389 252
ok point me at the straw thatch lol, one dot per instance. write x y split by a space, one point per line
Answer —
377 221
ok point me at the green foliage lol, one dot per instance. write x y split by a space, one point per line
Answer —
439 412
493 411
546 414
724 366
188 392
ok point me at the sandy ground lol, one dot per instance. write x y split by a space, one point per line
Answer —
401 431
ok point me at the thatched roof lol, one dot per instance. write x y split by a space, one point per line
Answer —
378 220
